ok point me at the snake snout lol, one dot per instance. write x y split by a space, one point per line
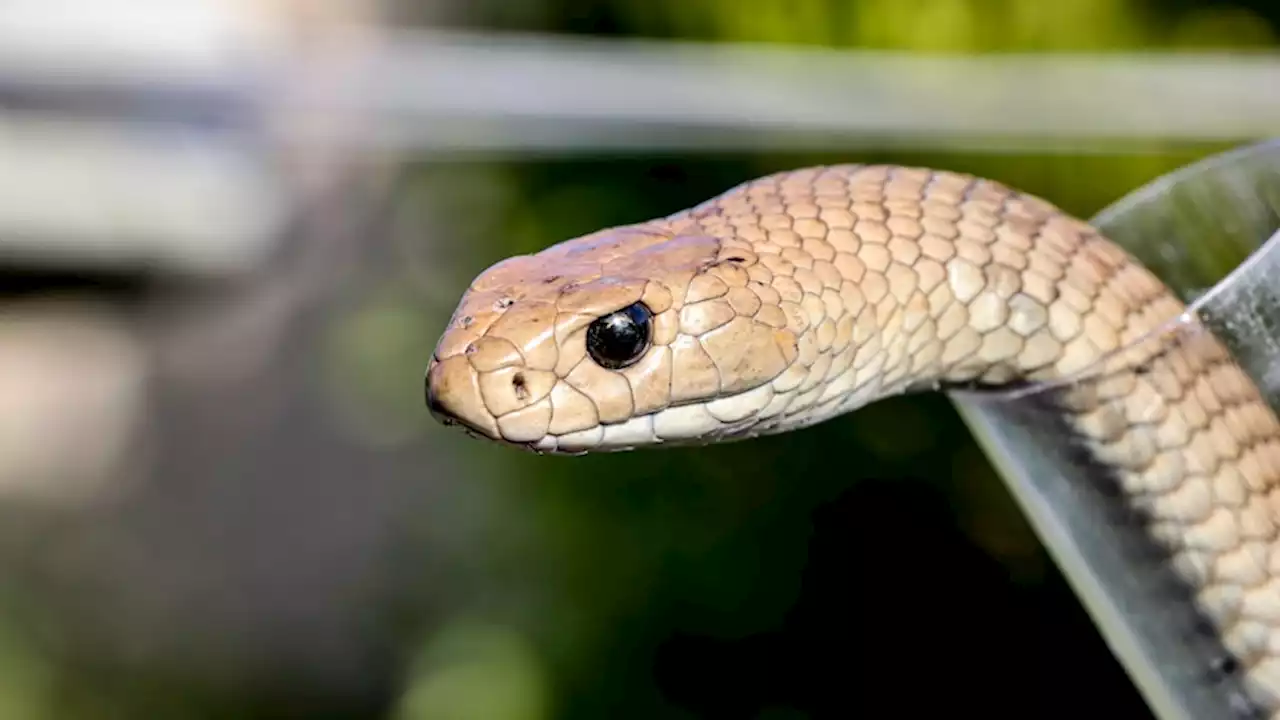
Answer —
434 404
453 396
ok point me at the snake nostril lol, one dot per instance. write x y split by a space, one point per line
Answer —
521 387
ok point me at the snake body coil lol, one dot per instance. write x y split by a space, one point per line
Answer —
804 295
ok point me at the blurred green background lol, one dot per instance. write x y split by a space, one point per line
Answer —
872 566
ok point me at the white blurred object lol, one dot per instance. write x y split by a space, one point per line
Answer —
98 39
145 133
72 394
84 194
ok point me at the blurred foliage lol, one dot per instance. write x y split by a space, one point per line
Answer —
482 672
955 25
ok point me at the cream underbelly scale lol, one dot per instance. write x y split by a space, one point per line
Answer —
804 295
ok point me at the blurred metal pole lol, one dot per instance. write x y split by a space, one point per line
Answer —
436 91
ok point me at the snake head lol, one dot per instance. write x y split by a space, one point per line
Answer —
630 336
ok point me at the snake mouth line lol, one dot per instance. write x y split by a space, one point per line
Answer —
447 419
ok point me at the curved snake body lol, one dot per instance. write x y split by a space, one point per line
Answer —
803 295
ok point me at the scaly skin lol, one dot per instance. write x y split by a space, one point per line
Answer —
807 294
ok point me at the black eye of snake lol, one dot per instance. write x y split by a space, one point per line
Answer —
621 338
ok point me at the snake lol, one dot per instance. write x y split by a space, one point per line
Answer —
803 295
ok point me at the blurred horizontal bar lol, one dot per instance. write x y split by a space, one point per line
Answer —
83 194
161 42
426 91
433 91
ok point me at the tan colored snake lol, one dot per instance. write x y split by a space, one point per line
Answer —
804 295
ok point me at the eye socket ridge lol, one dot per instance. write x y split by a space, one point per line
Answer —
621 338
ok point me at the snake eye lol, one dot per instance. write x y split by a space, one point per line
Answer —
621 338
